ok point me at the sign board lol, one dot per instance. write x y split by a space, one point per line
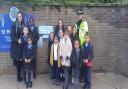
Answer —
6 21
44 32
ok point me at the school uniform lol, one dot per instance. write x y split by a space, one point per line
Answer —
76 62
55 61
16 48
28 53
87 52
66 48
24 40
35 37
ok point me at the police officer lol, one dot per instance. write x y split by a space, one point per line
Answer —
35 37
81 26
16 34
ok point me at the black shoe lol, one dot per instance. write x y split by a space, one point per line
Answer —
34 75
19 79
63 87
84 87
27 85
30 85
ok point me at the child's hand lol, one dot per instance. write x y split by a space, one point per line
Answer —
29 60
26 61
19 41
85 60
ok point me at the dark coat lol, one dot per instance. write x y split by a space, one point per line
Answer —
56 32
24 42
29 53
16 49
87 52
35 35
76 62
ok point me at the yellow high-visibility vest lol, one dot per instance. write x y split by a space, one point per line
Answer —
83 28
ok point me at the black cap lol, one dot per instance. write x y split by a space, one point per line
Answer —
80 11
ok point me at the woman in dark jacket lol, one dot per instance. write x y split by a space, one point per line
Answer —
16 43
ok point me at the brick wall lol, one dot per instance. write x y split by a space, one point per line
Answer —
110 41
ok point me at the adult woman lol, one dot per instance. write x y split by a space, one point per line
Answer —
16 44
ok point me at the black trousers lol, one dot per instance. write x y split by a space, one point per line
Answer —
81 73
34 61
19 66
34 67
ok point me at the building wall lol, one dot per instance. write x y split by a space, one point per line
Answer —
107 27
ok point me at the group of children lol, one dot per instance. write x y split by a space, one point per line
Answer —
66 55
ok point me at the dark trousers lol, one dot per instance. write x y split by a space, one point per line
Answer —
28 75
55 71
34 61
82 73
34 68
18 65
66 76
87 77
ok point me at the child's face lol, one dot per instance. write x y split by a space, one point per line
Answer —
74 29
25 31
60 23
87 39
66 36
29 41
51 35
77 44
69 28
55 40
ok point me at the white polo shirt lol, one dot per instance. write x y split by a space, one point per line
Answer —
55 51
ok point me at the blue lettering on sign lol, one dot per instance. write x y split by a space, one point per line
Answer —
5 27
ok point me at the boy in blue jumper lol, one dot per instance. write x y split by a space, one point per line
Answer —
28 57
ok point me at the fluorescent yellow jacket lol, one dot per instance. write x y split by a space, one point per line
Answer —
82 28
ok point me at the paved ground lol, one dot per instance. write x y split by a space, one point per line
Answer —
99 81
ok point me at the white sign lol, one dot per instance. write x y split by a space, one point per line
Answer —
45 29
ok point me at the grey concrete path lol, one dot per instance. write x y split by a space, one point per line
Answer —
99 81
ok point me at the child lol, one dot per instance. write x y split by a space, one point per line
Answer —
28 56
76 62
66 48
88 54
33 31
50 42
55 61
70 32
24 39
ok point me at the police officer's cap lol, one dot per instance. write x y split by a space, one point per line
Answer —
80 11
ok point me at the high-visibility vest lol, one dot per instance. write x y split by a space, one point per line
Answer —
83 28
